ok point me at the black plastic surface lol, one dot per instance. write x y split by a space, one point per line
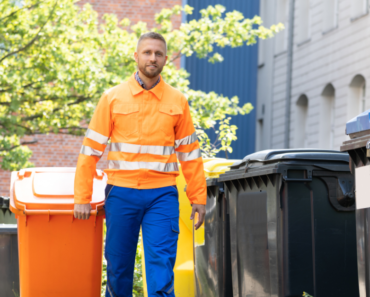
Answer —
252 241
317 226
320 243
6 216
4 202
9 268
297 155
213 259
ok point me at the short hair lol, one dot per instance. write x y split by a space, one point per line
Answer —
151 35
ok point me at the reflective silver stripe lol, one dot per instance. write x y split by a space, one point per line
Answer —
141 149
171 289
96 136
186 140
156 166
89 151
195 154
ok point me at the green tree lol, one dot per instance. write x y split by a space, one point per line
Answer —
56 61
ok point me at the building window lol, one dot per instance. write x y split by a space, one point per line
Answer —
282 16
300 126
330 15
259 136
356 103
327 118
359 8
303 20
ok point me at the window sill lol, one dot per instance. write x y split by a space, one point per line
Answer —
359 17
280 53
303 42
330 30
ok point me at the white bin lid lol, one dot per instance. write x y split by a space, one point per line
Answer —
52 188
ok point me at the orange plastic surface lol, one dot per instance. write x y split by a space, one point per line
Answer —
60 256
51 189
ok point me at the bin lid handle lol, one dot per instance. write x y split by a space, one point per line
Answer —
30 212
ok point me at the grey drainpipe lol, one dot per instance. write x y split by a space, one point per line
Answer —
289 73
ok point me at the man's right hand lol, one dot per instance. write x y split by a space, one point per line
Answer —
82 211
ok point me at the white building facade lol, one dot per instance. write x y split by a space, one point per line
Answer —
314 76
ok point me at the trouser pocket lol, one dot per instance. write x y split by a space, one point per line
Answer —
108 189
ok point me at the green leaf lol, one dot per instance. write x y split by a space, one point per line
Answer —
56 61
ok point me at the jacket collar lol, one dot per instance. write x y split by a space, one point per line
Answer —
136 88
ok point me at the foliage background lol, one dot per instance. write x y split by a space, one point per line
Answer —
56 60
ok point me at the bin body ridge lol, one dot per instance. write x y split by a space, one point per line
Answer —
58 255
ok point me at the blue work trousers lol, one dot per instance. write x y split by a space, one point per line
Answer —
157 211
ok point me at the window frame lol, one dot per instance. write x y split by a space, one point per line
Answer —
326 30
362 14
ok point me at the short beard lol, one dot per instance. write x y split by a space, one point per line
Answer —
150 74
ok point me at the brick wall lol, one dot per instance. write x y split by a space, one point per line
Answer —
137 10
62 150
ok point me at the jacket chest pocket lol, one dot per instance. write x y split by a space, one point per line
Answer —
169 115
126 118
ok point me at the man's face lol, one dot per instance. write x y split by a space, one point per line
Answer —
151 57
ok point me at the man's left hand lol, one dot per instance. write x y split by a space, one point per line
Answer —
201 210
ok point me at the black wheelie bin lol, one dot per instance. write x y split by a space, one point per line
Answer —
358 147
292 224
212 257
9 268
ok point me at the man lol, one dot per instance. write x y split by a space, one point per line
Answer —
150 127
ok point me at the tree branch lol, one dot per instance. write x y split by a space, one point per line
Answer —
61 131
18 10
29 142
176 57
64 130
33 39
22 87
7 124
23 127
82 99
15 146
45 98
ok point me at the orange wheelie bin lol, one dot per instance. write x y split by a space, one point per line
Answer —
59 256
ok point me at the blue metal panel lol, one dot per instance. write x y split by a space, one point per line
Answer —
236 75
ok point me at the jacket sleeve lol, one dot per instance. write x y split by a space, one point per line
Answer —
188 153
93 146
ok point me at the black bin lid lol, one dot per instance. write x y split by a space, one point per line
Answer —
273 156
276 161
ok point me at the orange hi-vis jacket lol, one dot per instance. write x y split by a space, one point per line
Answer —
149 130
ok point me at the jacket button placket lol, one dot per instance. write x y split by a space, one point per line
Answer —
145 100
